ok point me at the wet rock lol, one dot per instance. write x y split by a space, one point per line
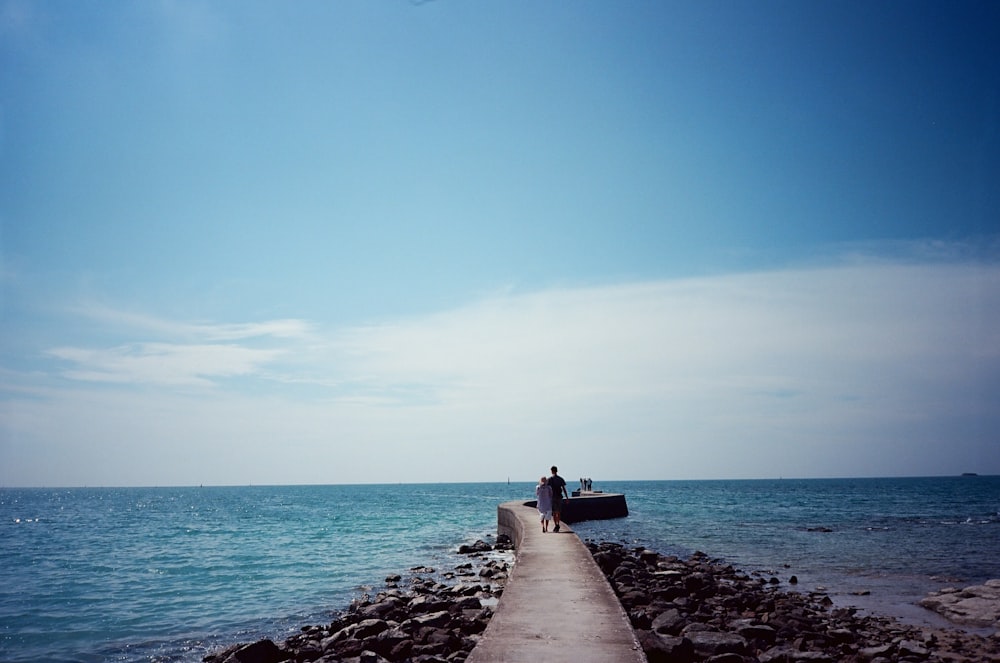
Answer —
761 633
697 610
911 648
879 651
710 643
427 603
434 619
422 569
786 654
978 605
668 622
725 658
479 546
381 609
665 648
430 622
724 614
262 651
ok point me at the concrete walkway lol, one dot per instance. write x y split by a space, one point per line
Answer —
556 605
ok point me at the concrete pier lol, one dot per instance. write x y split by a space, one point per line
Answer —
594 506
556 605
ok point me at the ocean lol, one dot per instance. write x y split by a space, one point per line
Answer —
171 574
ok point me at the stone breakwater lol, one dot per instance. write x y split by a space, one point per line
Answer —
702 610
428 617
683 611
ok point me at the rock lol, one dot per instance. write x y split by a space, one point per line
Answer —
786 654
709 643
634 597
262 651
841 635
388 641
725 658
977 605
332 658
466 603
364 629
608 561
912 648
479 546
699 582
381 609
694 610
758 632
716 607
669 622
880 651
466 589
434 619
429 622
665 648
427 603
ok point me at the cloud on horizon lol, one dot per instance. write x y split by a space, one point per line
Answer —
864 368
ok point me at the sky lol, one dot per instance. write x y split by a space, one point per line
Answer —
381 241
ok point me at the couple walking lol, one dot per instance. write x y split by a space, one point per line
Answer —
549 493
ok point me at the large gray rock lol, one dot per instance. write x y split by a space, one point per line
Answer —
709 643
978 605
662 648
669 622
761 632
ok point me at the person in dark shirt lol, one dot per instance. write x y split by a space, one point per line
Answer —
558 486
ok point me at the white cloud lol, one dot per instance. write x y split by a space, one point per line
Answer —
162 363
790 332
859 369
131 322
166 352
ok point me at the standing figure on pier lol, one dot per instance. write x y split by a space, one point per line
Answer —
558 486
543 493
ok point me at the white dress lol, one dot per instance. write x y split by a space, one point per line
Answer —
543 493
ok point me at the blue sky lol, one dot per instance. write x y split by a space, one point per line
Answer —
449 241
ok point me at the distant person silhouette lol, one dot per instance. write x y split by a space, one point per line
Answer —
558 486
543 493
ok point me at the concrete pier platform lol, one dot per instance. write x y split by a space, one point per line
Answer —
556 605
591 505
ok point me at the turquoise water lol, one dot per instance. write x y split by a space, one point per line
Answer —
896 538
168 574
